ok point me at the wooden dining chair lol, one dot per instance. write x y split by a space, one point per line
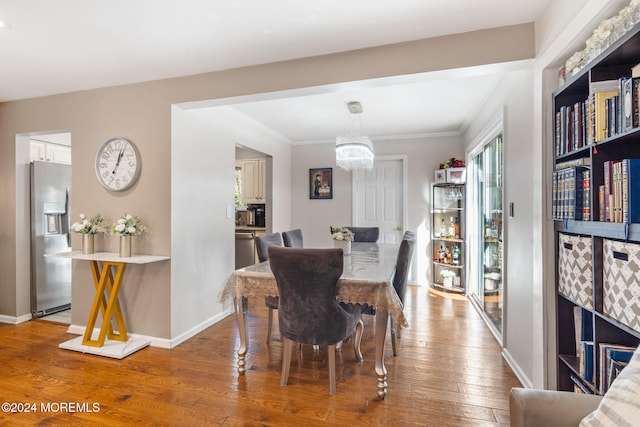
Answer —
292 238
262 247
308 278
365 234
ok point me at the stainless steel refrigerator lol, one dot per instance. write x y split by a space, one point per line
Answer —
50 227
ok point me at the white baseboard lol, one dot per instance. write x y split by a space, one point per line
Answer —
163 342
526 382
15 320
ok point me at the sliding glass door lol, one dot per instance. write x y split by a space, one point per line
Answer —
486 261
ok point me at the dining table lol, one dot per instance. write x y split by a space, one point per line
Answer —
366 281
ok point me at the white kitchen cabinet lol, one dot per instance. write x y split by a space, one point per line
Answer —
253 181
47 152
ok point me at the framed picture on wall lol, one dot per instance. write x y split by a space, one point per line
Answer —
321 183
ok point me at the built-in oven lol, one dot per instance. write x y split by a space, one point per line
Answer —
245 248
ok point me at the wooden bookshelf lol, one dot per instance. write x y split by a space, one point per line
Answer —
589 305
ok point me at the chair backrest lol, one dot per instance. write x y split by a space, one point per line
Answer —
263 243
405 254
365 234
308 311
292 238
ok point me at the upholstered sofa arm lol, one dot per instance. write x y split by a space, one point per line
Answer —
546 408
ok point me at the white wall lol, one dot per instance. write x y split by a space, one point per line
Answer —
202 167
315 216
202 162
515 95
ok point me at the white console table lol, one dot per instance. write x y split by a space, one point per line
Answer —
108 270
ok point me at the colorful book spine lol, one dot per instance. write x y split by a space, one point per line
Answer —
571 194
631 190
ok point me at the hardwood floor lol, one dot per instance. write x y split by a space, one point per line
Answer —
449 372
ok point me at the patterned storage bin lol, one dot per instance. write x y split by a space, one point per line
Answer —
575 269
621 282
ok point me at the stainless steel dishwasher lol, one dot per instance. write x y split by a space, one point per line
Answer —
245 248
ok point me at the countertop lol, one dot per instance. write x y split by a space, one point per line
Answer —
249 228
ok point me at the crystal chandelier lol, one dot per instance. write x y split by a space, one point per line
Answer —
354 149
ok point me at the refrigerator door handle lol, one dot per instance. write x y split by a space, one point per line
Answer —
68 215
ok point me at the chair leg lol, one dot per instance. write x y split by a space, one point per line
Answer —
357 339
331 354
394 339
269 323
286 361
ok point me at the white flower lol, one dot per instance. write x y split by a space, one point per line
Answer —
89 226
341 233
128 225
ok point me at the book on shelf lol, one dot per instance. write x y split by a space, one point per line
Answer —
583 325
612 107
578 386
615 368
621 192
616 177
627 110
571 193
602 109
601 202
586 360
582 161
630 190
611 353
635 101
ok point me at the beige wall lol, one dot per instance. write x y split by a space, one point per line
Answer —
142 112
315 216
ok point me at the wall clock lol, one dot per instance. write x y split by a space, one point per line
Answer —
118 164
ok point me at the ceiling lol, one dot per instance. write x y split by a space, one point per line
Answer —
50 47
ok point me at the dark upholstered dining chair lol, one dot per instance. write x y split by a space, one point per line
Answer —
365 234
400 276
403 262
308 278
262 247
292 238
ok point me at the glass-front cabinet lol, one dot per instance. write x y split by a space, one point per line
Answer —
486 173
447 227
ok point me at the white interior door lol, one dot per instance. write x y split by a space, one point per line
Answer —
379 199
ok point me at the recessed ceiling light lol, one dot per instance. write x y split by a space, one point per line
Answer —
4 26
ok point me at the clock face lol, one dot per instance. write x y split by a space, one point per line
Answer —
118 164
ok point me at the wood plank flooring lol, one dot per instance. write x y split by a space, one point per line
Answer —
449 373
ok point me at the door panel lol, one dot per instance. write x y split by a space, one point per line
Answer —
379 199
